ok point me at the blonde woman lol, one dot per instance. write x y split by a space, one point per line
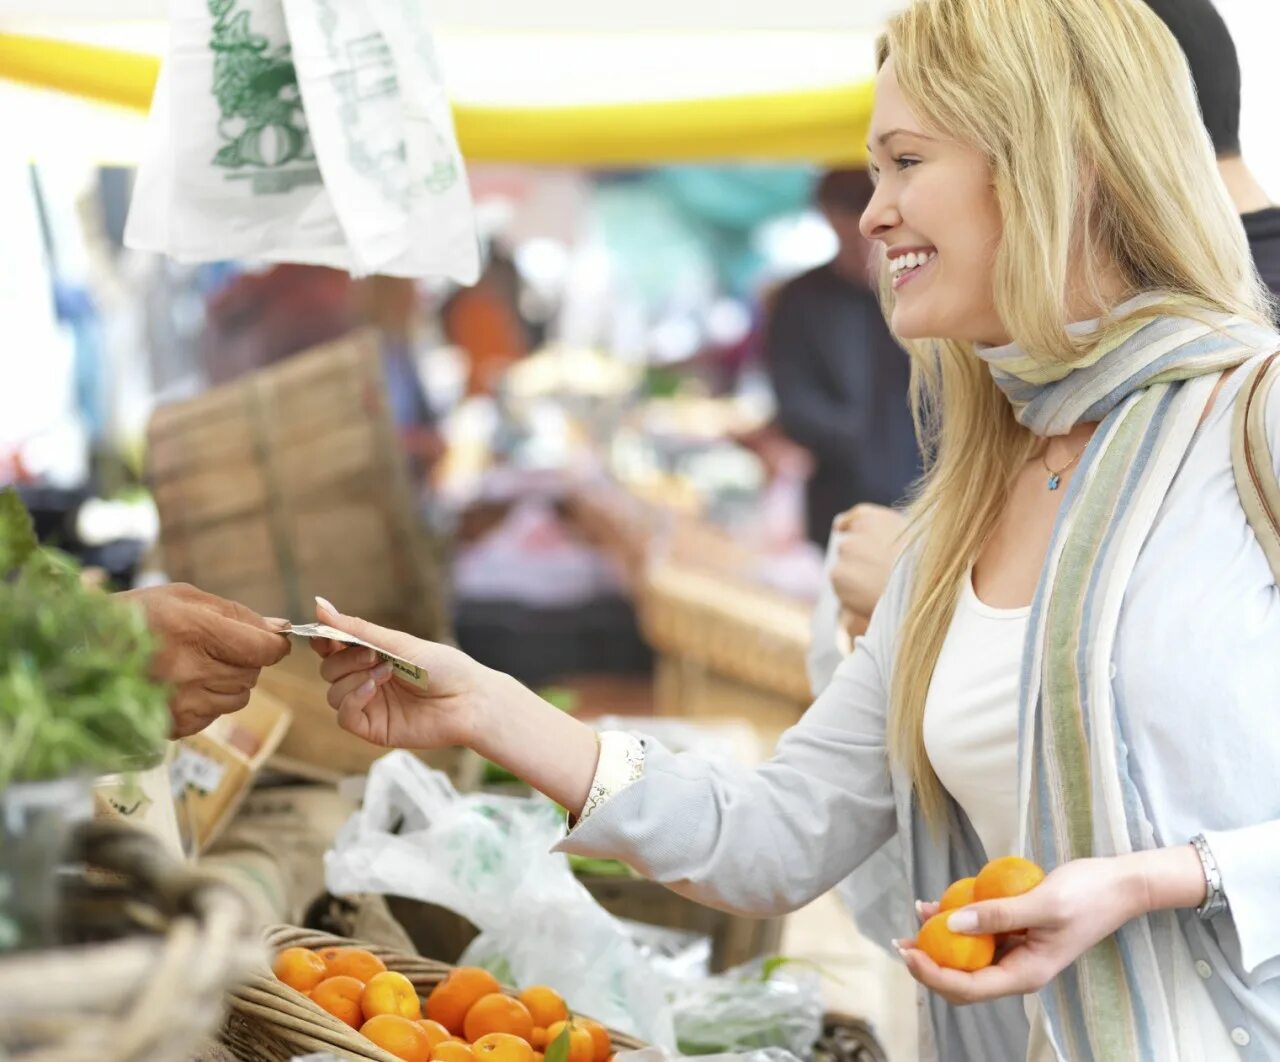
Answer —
1078 658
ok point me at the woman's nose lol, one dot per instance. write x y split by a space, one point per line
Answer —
881 215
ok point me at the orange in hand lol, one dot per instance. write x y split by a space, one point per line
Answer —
391 993
546 1005
502 1047
450 1000
353 962
957 951
599 1037
958 894
1006 876
299 968
340 996
405 1039
498 1013
582 1048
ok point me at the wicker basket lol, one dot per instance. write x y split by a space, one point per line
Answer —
159 945
270 1022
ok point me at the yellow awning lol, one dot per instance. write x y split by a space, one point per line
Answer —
819 125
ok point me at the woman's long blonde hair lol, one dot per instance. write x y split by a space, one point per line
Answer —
1086 112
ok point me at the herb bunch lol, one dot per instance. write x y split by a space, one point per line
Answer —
75 691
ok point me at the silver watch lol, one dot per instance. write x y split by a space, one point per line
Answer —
1215 900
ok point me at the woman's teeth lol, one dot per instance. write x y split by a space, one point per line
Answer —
910 260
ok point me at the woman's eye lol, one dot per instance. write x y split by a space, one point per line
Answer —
905 163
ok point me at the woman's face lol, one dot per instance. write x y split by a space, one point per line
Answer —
935 211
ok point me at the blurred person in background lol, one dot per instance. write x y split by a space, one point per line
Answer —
870 536
840 378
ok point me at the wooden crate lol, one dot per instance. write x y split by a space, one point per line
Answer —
290 482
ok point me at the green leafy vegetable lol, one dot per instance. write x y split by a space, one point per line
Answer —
75 691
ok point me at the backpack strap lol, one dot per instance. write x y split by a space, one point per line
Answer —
1253 461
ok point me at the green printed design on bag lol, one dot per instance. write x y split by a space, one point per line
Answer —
263 125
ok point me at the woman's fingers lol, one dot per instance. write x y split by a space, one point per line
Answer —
351 659
364 681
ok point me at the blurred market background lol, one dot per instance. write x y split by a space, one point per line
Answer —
575 468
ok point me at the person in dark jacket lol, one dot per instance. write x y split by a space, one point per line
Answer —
840 378
1215 69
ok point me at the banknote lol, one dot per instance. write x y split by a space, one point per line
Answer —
405 668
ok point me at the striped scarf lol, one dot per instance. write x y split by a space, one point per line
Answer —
1148 388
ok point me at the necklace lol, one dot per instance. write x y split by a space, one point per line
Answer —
1055 474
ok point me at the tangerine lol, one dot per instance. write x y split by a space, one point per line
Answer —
958 894
956 951
452 1051
539 1038
582 1047
353 962
450 1000
496 1013
1006 876
391 993
436 1032
599 1036
403 1038
340 996
502 1047
299 968
546 1005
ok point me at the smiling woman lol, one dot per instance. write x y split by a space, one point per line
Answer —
1092 652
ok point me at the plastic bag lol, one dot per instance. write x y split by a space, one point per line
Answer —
488 858
769 1003
324 138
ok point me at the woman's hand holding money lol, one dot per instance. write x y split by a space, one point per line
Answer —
465 703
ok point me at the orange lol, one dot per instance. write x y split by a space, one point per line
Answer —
340 996
582 1048
958 894
403 1038
391 993
502 1047
299 968
450 1000
452 1051
599 1037
353 962
1006 876
498 1013
958 951
546 1005
436 1032
539 1038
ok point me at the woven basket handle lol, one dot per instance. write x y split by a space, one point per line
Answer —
1254 463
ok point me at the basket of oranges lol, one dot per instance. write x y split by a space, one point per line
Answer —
363 1001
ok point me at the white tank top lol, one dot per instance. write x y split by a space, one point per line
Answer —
971 738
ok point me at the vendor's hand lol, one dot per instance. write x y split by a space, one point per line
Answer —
871 539
374 704
209 650
1077 905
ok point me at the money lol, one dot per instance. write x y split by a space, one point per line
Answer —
405 668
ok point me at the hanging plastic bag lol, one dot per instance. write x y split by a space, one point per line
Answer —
323 137
488 858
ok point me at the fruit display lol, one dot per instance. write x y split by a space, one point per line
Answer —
467 1017
999 879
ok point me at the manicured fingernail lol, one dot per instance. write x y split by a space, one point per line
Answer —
276 621
963 922
365 688
382 672
327 606
920 908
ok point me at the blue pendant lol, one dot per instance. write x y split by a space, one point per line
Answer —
1054 481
